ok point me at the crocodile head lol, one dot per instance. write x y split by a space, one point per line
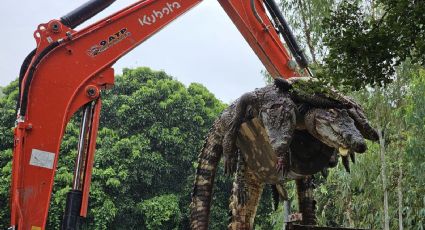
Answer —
335 128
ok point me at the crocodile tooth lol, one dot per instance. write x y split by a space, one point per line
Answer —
353 157
343 151
346 163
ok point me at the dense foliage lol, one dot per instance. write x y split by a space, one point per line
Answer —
366 44
377 49
358 43
357 199
305 18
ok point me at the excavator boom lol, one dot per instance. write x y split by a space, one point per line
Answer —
69 69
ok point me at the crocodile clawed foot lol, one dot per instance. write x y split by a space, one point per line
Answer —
242 194
282 165
279 164
230 163
353 157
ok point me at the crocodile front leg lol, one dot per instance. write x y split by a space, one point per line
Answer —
229 139
243 215
279 121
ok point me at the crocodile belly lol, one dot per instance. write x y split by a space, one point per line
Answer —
308 156
258 154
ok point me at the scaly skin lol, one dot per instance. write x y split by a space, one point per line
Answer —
278 115
273 107
301 140
207 164
243 214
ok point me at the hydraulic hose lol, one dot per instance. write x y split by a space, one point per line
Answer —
22 71
85 12
287 34
25 90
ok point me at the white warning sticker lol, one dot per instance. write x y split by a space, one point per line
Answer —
42 159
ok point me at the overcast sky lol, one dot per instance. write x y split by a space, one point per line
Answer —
201 46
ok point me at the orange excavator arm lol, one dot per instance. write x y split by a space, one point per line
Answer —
68 70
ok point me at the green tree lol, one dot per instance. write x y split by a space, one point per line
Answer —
414 162
305 18
161 212
366 44
7 115
372 47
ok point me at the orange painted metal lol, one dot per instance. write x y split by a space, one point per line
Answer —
84 58
260 35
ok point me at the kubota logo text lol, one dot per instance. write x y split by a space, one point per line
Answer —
159 14
108 43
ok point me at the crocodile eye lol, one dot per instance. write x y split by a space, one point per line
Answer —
324 117
333 112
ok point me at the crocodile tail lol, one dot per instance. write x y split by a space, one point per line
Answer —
306 202
208 161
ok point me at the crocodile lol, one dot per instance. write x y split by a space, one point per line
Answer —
260 136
